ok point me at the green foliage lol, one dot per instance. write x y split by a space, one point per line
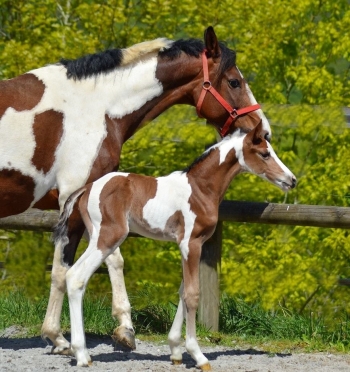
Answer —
288 264
250 319
25 255
151 313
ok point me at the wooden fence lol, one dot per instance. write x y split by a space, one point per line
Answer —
234 211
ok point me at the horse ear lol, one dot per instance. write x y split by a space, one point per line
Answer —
257 133
211 43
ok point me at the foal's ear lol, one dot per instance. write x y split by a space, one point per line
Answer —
211 43
257 134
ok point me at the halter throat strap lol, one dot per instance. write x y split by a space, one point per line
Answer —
208 87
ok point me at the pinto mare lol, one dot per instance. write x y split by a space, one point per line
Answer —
72 118
181 207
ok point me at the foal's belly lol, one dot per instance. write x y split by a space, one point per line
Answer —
148 232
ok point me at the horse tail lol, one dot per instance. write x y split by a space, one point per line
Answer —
60 231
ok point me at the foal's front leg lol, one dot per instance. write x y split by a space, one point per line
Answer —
191 299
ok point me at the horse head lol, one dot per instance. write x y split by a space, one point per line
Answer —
231 103
258 157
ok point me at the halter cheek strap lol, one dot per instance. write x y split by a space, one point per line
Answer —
207 87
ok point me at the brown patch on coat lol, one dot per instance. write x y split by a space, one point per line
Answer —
48 201
175 226
16 192
115 201
82 207
207 178
108 156
48 131
21 93
144 189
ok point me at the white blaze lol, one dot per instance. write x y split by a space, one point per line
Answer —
266 124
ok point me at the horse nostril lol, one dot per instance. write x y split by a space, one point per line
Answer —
294 182
267 137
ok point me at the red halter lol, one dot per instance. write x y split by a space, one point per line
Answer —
207 87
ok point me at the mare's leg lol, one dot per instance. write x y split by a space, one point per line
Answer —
63 260
121 308
174 337
191 299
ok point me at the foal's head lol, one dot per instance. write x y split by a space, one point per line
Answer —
258 157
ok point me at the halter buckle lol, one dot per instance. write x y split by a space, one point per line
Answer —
207 85
234 114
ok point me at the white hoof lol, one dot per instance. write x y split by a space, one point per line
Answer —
83 358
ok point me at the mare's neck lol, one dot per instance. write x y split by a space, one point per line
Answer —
181 81
212 176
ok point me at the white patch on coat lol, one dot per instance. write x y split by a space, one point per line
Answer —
229 142
173 193
84 104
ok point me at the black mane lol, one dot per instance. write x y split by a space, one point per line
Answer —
199 159
93 64
195 47
104 62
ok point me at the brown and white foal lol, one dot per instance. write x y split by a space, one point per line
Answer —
181 207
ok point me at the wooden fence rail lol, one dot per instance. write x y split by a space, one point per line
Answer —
234 211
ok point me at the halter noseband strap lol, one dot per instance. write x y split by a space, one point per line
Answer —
207 87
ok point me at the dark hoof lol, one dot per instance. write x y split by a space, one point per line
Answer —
125 337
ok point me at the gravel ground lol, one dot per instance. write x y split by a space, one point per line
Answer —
33 354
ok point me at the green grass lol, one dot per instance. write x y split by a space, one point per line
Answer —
241 324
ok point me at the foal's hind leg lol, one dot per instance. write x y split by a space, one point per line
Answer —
121 308
63 259
77 279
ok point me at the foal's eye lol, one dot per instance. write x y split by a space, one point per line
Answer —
234 83
265 155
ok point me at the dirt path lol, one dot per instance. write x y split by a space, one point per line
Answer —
32 354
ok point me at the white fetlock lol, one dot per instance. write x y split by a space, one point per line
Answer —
83 358
176 355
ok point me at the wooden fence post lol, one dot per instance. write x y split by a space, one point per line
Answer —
209 278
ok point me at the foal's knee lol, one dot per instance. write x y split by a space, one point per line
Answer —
191 299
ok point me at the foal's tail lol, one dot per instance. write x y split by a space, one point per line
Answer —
61 228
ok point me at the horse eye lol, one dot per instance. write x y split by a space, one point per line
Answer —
234 83
265 155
